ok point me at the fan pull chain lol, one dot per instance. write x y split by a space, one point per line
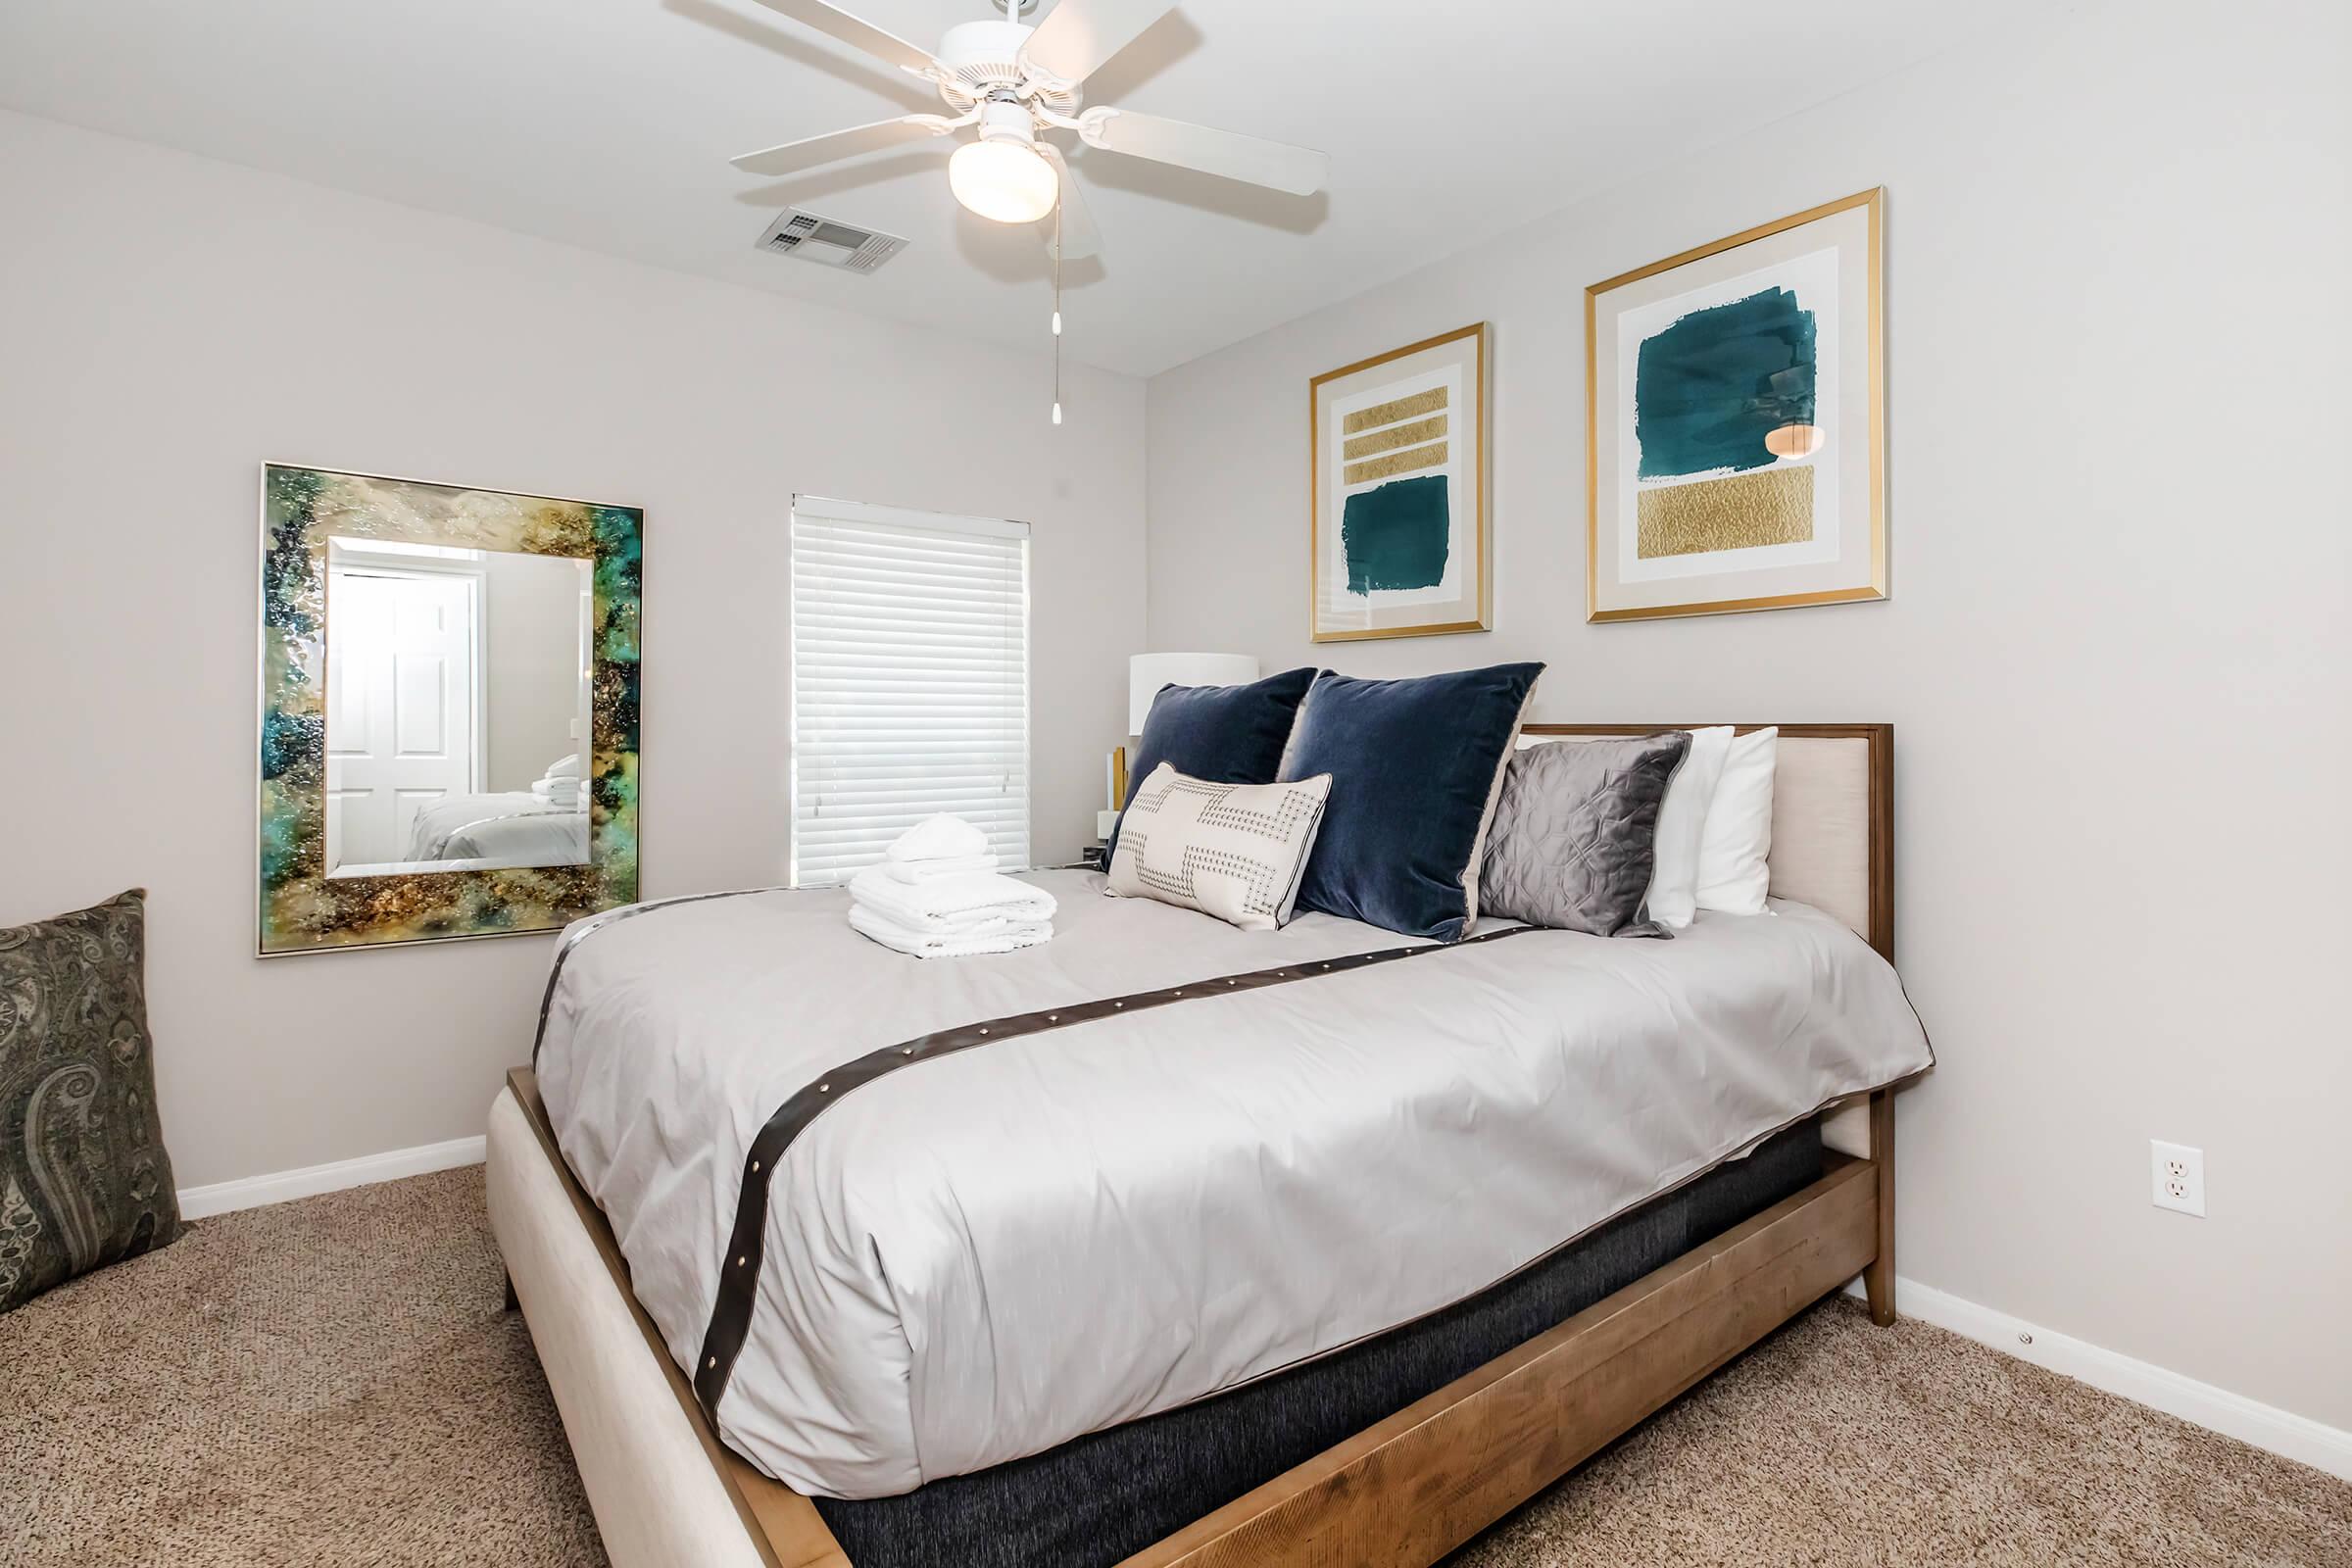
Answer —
1058 309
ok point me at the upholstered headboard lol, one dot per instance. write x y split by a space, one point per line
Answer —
1833 818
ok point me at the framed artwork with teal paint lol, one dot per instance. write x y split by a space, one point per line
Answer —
1397 541
1734 401
449 710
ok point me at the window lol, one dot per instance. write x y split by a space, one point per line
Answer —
909 681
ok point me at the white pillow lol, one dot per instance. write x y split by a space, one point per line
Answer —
1234 850
1674 885
1734 846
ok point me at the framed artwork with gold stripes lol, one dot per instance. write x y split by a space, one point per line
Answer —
1734 401
1398 539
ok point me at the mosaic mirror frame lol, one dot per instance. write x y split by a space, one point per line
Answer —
301 908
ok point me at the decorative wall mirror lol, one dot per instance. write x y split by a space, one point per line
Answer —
448 710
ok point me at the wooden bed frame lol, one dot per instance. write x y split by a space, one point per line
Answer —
1401 1493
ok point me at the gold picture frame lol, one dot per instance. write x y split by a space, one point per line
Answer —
1395 464
1843 571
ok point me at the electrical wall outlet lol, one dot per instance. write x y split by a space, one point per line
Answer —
2179 1177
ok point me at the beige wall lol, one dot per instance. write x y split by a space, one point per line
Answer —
168 323
2117 655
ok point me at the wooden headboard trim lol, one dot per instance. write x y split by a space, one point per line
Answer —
1881 799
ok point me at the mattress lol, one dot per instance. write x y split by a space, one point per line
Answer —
1147 1163
1097 1500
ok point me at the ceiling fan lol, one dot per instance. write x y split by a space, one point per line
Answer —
1015 82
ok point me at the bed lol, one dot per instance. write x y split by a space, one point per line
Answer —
951 1249
508 828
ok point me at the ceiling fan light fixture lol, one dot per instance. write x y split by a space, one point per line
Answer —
1002 180
1013 79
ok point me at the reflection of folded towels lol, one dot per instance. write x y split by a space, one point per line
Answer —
916 872
1009 935
938 838
954 906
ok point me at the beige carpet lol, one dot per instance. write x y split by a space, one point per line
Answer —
332 1381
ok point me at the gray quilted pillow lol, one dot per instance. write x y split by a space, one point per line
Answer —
83 1176
1573 841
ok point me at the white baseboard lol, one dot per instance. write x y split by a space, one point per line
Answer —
252 1192
2233 1415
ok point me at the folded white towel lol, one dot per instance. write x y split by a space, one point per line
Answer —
920 872
1010 938
949 903
938 838
560 791
565 766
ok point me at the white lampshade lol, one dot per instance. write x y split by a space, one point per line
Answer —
1147 673
1002 180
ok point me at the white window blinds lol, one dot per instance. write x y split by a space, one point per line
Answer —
909 681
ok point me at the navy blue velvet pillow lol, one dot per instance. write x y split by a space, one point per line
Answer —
1415 767
1223 734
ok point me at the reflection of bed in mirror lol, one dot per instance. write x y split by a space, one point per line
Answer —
514 828
457 709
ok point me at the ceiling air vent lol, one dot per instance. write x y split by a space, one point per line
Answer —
828 241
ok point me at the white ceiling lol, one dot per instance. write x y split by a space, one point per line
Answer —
609 123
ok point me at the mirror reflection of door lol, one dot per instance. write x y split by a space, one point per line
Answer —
457 709
401 665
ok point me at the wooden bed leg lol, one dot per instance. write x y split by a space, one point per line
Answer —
1878 1280
513 1302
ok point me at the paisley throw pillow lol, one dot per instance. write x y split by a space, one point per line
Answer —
84 1180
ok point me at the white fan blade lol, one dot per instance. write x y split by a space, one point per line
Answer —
1079 236
835 145
1278 166
1072 43
839 23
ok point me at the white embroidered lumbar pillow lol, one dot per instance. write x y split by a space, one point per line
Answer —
1234 850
